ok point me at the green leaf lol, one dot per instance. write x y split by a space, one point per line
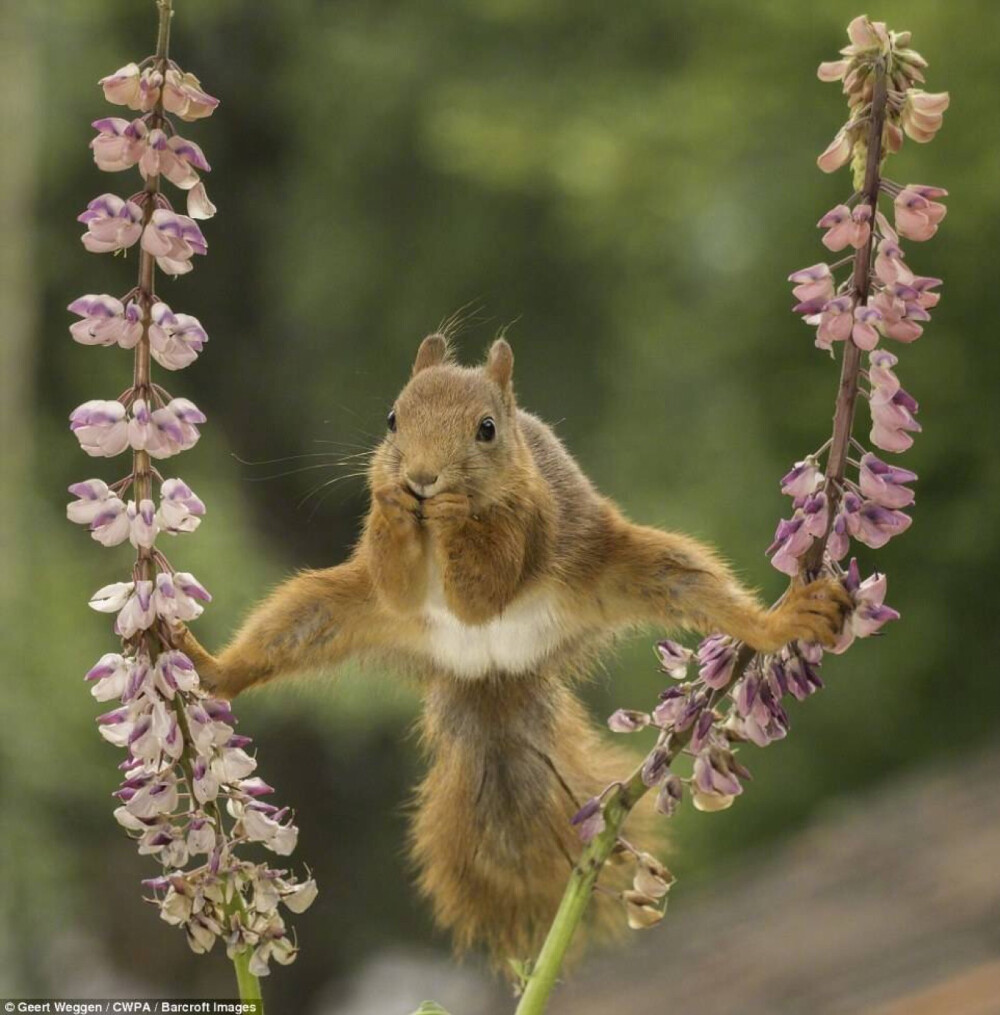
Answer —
430 1008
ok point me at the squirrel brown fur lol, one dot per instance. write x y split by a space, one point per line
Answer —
491 568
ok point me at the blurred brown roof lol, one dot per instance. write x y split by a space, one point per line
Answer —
886 905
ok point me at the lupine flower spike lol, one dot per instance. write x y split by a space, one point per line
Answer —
842 494
190 796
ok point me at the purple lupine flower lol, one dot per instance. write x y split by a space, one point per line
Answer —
138 613
174 339
714 785
674 658
791 540
112 224
100 427
106 321
716 658
870 612
180 509
109 675
173 240
142 527
670 795
589 820
656 767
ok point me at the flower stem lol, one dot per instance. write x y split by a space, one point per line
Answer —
248 984
850 369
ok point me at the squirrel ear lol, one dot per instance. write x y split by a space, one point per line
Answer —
500 363
432 352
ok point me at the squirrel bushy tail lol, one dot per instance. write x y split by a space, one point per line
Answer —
511 761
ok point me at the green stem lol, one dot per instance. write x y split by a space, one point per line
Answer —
249 985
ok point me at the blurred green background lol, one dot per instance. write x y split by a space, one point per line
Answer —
626 188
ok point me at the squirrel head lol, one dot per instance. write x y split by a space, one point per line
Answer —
453 428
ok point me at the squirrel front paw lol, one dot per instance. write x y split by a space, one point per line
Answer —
398 506
809 613
447 508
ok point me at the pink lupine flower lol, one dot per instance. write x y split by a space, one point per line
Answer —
173 240
791 540
866 34
832 70
816 514
885 484
100 427
627 721
175 158
112 224
838 542
129 86
889 266
835 322
917 213
180 509
674 658
198 204
813 283
174 339
870 612
106 321
119 143
804 479
844 227
875 525
923 114
863 333
183 95
836 154
892 409
893 421
899 316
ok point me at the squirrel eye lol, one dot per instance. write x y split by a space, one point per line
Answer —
487 430
390 421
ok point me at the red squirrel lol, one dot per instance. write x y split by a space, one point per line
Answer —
492 569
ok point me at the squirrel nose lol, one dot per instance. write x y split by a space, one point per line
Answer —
420 481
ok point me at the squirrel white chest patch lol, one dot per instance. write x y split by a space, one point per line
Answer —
520 638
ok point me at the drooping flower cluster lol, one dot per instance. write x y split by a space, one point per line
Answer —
189 795
739 696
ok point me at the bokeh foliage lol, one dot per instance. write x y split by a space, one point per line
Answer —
625 188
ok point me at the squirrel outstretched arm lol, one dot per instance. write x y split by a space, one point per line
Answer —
491 568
